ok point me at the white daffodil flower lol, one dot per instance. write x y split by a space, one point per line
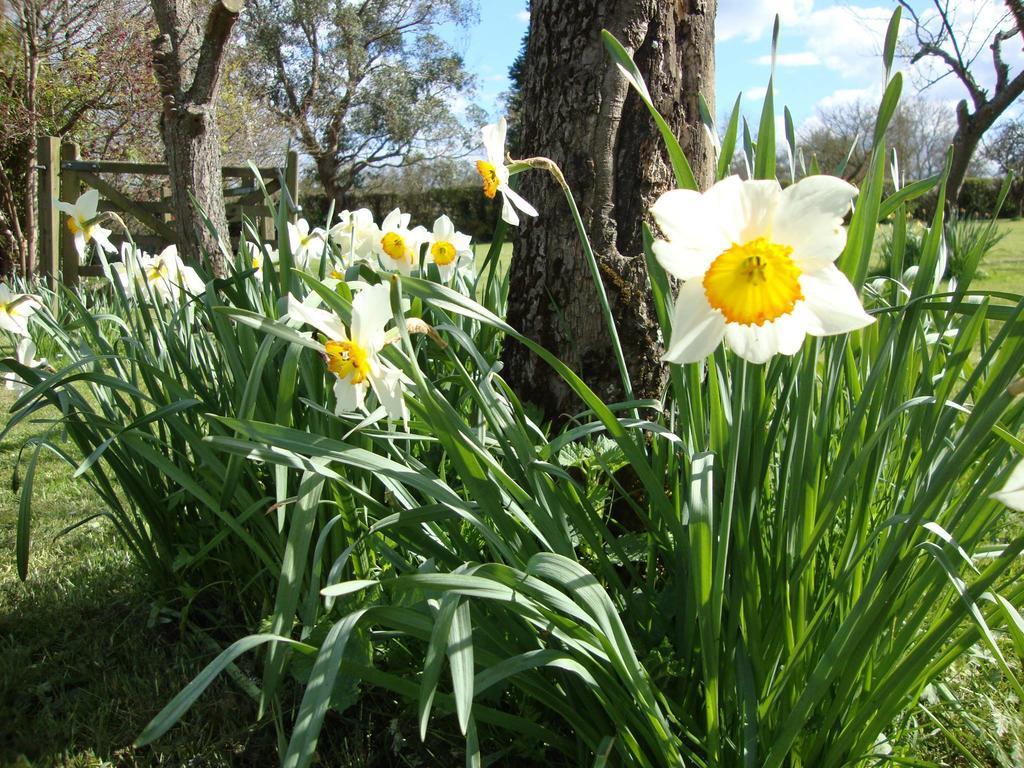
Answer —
166 275
496 175
1012 492
80 215
398 247
127 268
355 234
448 249
757 265
15 310
24 353
307 245
256 255
352 354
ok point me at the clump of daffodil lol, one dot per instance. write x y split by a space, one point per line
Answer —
495 174
15 310
166 275
398 246
353 354
1012 492
81 221
757 267
448 249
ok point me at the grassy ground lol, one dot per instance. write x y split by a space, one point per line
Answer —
87 656
1003 268
90 652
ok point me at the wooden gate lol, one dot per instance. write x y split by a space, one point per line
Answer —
61 176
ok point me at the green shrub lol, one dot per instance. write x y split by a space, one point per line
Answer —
765 568
965 244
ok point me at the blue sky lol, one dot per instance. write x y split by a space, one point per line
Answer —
829 51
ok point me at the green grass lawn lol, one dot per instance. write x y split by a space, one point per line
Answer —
1003 268
88 654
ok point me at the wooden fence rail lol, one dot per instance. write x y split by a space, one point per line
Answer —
62 174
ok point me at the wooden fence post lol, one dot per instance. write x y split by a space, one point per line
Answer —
166 196
70 189
291 180
49 216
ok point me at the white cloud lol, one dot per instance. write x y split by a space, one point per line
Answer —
523 16
801 59
753 19
847 40
848 96
755 94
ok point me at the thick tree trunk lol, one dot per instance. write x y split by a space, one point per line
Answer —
187 59
31 173
579 111
970 128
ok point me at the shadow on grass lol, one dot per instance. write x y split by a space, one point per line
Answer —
89 653
86 661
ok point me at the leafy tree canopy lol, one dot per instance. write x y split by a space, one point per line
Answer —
363 84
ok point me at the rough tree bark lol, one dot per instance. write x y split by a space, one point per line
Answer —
30 45
187 56
579 111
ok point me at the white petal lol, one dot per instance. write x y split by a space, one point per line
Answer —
790 331
508 213
809 219
723 212
80 244
833 301
462 243
517 200
754 343
371 312
327 323
88 203
758 201
101 237
388 387
494 142
190 280
294 238
349 396
443 228
67 208
25 351
1012 492
697 329
680 261
692 224
315 247
447 270
679 213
